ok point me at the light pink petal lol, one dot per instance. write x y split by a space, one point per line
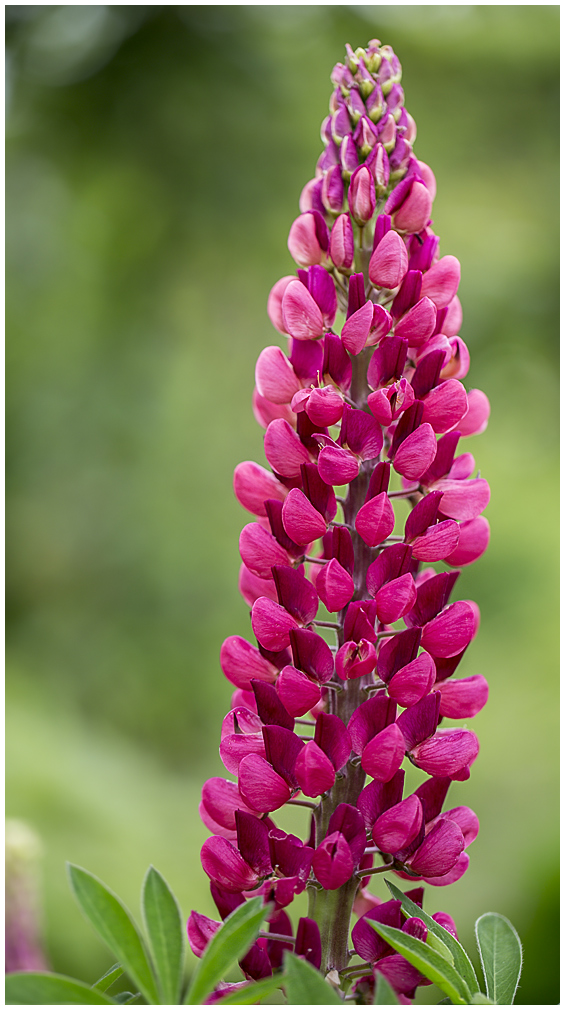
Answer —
418 324
252 586
342 244
303 243
416 453
275 377
473 541
476 419
252 485
438 542
441 281
264 411
375 519
389 263
428 177
302 522
274 303
452 322
284 450
260 786
271 624
301 315
462 699
463 499
458 361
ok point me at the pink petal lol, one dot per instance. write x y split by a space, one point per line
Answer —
303 243
399 825
389 262
220 799
271 624
222 862
414 213
342 245
356 329
337 466
416 453
302 522
355 659
274 303
441 281
452 875
260 550
275 377
297 693
446 752
332 862
438 542
445 405
463 699
473 541
301 315
264 411
476 419
450 632
384 754
335 586
395 599
241 662
252 586
464 499
252 485
439 851
260 786
283 448
324 406
418 324
467 821
375 519
201 929
314 771
413 681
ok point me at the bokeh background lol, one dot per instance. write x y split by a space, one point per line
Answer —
155 158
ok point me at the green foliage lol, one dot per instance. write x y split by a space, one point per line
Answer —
108 978
164 927
384 993
253 992
115 926
427 961
44 987
304 985
501 956
227 946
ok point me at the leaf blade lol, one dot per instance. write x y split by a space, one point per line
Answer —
305 985
163 923
253 992
426 960
500 951
109 977
116 927
384 993
462 962
43 987
229 944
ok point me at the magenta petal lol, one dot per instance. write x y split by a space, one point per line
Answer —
296 593
389 262
423 514
447 752
275 377
304 239
474 537
361 433
396 599
274 302
297 693
334 739
445 405
253 842
384 754
439 851
413 681
236 746
324 406
314 771
264 411
241 662
416 453
260 550
200 929
467 821
312 654
450 632
476 419
438 542
370 718
464 499
375 519
367 942
418 324
221 799
342 243
337 466
308 943
397 652
441 281
301 315
283 448
213 827
419 721
332 862
400 974
252 587
335 586
463 699
271 624
301 520
252 485
355 659
260 786
452 876
224 865
377 797
445 920
356 329
399 825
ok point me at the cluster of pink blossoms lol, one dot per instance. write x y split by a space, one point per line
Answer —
378 409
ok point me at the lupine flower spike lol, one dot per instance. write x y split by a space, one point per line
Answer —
350 591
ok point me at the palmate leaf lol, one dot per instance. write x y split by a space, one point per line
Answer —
427 961
164 926
384 993
461 960
115 926
501 956
253 992
229 944
42 987
306 986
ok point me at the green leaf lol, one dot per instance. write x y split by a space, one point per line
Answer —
30 987
427 961
384 993
229 944
254 992
305 985
163 922
445 1001
501 956
461 960
111 976
479 997
434 941
115 926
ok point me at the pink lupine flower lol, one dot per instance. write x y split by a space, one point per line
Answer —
350 411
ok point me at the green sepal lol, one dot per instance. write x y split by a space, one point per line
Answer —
461 960
426 960
228 945
500 951
43 987
305 985
164 927
116 928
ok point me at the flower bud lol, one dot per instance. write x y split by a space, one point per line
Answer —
342 246
389 262
348 156
332 191
361 196
308 239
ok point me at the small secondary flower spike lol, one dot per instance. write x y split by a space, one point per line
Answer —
353 624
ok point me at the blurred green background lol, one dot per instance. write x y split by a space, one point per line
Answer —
155 159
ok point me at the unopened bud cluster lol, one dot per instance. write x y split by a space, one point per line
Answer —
356 637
